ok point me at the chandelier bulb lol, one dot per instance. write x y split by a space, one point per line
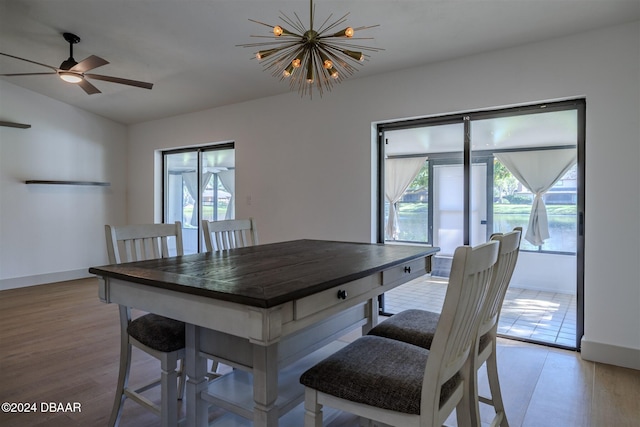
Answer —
278 31
296 62
358 56
288 71
326 62
333 72
265 53
347 32
309 72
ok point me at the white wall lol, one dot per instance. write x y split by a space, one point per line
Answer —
559 273
52 232
308 166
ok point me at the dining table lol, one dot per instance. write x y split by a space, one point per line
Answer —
268 311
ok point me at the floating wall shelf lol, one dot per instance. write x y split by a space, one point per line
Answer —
14 125
45 182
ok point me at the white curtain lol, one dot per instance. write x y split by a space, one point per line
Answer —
398 175
538 171
191 183
228 179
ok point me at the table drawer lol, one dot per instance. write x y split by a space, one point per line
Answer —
332 297
406 271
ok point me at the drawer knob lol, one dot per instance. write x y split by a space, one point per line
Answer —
342 294
407 269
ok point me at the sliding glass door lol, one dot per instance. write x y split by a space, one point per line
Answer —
199 183
428 191
454 180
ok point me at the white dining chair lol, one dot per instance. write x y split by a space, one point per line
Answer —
418 327
223 235
159 336
229 234
400 384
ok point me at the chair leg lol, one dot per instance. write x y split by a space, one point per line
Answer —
169 390
494 386
182 380
312 411
465 408
472 390
123 371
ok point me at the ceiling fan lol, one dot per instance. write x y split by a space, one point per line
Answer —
76 72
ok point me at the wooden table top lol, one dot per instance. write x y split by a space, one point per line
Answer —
266 275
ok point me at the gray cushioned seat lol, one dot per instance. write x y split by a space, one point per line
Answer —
158 332
484 342
378 372
415 327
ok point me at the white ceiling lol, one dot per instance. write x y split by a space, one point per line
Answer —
187 48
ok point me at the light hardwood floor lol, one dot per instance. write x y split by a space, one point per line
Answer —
59 344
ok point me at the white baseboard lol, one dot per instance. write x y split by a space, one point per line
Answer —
41 279
610 354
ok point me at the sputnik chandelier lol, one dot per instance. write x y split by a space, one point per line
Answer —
311 58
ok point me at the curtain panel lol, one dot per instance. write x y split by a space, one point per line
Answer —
399 174
228 180
190 181
538 171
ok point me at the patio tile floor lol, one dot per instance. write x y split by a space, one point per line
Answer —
526 314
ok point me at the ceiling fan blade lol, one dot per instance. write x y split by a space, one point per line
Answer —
25 74
121 81
28 60
88 87
89 64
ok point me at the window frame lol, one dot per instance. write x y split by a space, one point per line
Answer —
469 157
199 150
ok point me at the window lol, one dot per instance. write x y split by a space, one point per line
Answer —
512 205
199 183
512 156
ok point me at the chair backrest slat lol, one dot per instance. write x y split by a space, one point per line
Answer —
475 287
131 253
502 273
229 234
130 243
471 272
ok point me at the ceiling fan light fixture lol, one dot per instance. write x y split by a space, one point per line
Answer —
325 56
70 77
75 72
